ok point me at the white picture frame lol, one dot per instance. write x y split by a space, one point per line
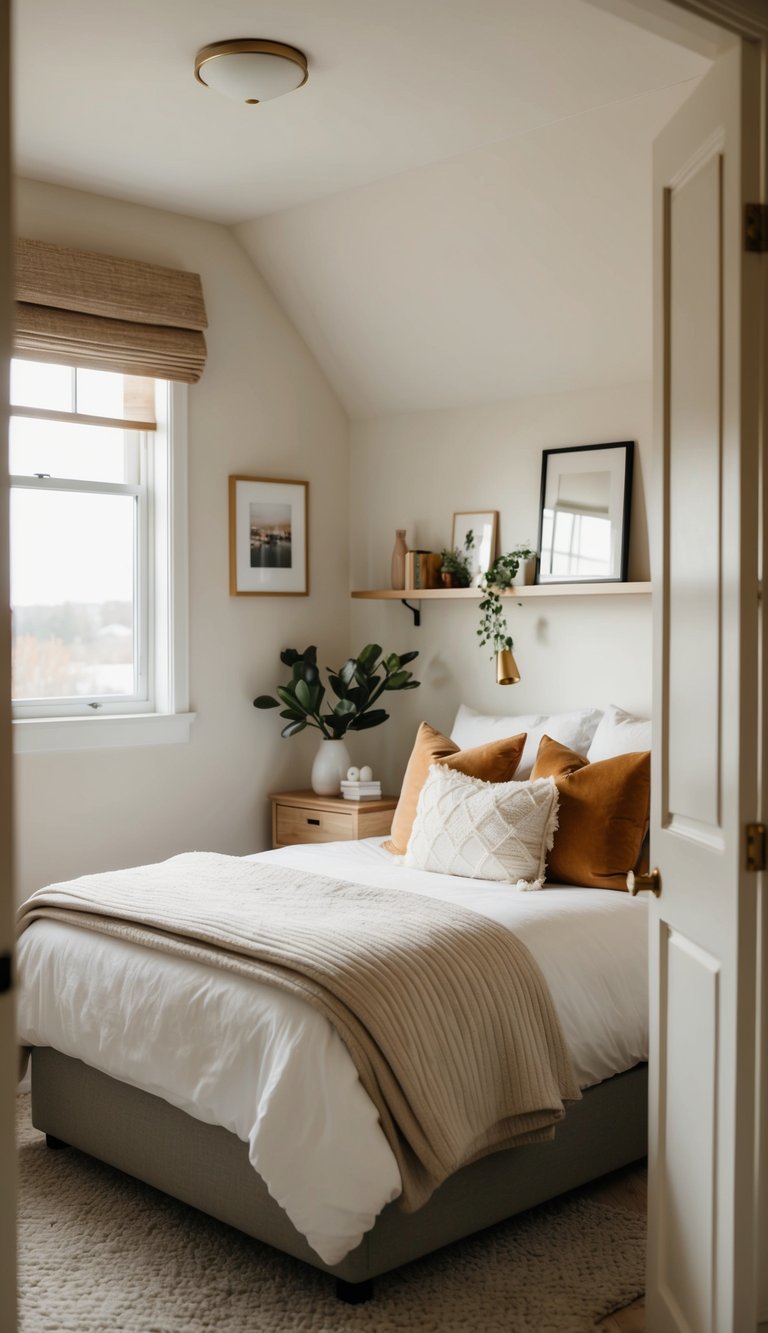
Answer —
484 524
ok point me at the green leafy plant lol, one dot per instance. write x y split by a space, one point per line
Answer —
357 685
456 562
495 581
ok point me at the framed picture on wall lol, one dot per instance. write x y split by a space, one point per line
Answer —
268 539
474 534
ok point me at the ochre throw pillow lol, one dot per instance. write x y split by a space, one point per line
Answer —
602 818
494 762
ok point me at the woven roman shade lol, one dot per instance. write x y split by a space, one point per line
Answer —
80 308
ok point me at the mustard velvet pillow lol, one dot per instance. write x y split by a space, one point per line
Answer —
494 762
602 818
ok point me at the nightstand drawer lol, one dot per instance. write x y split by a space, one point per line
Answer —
294 824
302 816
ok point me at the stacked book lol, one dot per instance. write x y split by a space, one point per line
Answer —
361 791
422 569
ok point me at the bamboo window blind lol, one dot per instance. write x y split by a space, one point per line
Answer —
76 307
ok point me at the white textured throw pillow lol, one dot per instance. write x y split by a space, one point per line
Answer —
619 732
484 830
572 729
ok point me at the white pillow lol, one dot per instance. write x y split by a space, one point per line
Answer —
619 733
484 830
572 729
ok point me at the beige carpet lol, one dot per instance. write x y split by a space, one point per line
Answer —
100 1253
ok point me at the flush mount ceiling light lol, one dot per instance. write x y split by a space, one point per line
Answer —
250 70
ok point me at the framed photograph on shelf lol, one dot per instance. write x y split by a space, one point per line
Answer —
482 526
268 543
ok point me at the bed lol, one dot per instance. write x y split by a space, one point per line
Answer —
263 1123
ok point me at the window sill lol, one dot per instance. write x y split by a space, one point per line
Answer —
46 735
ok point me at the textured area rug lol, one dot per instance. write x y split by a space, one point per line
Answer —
101 1253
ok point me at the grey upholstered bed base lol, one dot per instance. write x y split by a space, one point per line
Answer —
208 1167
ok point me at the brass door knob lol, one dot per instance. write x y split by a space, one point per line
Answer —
650 882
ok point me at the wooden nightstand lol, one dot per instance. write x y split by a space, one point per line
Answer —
301 816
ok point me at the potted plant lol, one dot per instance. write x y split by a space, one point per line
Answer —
455 567
357 686
493 624
526 570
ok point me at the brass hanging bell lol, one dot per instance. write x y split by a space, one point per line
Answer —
506 668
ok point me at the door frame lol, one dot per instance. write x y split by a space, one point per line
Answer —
693 22
7 1006
690 21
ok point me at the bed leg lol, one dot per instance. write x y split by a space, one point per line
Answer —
52 1142
354 1293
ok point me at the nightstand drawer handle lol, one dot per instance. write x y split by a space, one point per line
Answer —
314 821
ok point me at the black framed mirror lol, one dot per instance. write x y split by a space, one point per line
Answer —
586 494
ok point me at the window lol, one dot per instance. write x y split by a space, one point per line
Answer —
97 567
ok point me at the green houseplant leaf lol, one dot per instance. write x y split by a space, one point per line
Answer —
398 680
367 720
293 728
370 654
356 685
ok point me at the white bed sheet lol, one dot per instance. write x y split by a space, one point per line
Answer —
273 1071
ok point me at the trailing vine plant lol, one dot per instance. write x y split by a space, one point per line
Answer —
500 576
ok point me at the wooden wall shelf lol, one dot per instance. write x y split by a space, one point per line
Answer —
531 590
474 594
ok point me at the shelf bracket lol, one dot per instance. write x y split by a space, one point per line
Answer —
416 611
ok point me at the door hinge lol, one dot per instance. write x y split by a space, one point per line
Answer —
756 228
6 980
756 840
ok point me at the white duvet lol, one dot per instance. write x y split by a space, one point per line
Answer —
273 1071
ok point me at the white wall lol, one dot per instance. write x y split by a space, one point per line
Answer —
413 471
262 408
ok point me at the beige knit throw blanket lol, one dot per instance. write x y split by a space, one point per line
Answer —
445 1014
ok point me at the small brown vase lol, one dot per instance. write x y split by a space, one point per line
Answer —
448 578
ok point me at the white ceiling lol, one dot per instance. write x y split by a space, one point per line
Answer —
455 208
106 99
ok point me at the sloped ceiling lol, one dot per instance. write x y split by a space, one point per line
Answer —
519 269
454 209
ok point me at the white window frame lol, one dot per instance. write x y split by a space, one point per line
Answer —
141 697
167 720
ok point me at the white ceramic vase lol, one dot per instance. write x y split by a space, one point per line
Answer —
526 573
330 766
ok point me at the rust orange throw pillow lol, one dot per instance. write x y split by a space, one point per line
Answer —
494 762
603 814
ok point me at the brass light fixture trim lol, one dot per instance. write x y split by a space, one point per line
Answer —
507 672
235 46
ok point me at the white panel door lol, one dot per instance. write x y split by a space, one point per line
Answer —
708 298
